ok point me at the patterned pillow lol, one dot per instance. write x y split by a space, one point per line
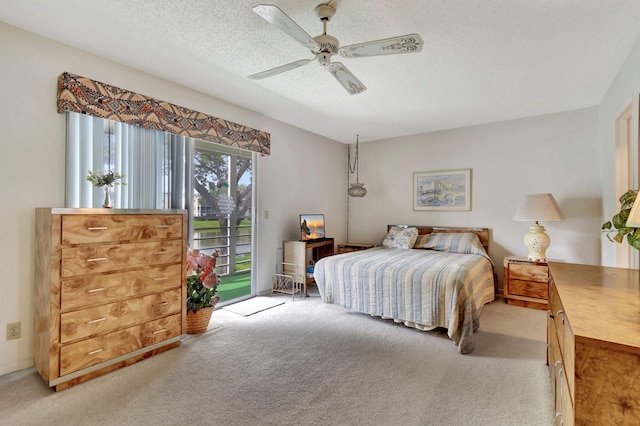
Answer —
403 238
455 242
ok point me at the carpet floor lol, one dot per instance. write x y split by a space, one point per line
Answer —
308 363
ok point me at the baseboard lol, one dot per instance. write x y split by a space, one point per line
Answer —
16 366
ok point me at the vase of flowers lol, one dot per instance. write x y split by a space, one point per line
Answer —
106 181
202 286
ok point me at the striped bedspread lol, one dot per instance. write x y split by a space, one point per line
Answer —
423 289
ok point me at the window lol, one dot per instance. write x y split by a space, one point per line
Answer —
153 163
160 170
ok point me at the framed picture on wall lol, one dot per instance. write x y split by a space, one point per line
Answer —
442 190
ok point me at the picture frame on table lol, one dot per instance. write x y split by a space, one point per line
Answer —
444 190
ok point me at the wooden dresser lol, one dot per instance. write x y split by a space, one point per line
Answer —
109 289
526 283
349 247
594 344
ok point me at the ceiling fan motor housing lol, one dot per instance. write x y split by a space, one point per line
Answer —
328 44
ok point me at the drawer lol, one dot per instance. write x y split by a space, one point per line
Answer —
95 258
552 354
110 317
534 289
92 290
566 405
557 369
526 272
568 347
86 353
558 313
80 229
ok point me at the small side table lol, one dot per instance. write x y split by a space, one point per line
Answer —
526 283
346 248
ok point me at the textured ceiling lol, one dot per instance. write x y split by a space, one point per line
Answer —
482 61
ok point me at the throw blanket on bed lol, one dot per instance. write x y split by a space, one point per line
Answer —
423 289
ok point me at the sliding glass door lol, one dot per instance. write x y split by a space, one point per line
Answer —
222 214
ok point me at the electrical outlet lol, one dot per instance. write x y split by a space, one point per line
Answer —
13 330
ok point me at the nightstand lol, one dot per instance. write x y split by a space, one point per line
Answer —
526 283
346 248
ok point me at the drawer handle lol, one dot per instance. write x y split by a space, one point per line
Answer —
550 312
96 259
95 290
162 304
557 363
97 228
160 331
160 278
560 312
161 226
160 252
94 352
96 320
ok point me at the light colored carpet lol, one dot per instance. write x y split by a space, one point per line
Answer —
308 363
254 305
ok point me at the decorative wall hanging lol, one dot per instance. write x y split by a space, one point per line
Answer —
442 190
86 96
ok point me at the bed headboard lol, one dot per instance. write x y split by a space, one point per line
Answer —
482 233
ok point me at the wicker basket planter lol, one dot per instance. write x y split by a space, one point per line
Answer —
197 323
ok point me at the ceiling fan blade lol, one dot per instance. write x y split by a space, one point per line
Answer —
277 17
346 78
409 43
280 69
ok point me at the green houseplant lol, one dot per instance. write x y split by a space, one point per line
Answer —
618 223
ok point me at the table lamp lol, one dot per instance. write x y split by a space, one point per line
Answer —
633 221
538 207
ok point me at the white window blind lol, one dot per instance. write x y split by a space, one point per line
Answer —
153 162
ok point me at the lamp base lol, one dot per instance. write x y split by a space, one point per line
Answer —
537 241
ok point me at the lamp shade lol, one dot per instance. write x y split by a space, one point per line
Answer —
538 207
633 221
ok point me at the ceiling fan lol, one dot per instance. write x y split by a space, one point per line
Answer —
325 46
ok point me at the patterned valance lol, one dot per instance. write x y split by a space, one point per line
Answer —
86 96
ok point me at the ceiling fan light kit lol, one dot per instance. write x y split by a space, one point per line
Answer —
324 46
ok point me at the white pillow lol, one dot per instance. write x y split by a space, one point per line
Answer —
398 237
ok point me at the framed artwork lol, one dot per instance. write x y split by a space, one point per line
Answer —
442 190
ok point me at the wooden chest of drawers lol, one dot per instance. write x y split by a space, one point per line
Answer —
594 344
526 283
349 247
109 289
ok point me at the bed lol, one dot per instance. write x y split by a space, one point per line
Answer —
424 277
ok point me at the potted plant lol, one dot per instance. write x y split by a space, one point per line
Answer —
202 286
619 222
99 180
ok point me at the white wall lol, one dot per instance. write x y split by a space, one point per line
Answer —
300 176
555 153
623 91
